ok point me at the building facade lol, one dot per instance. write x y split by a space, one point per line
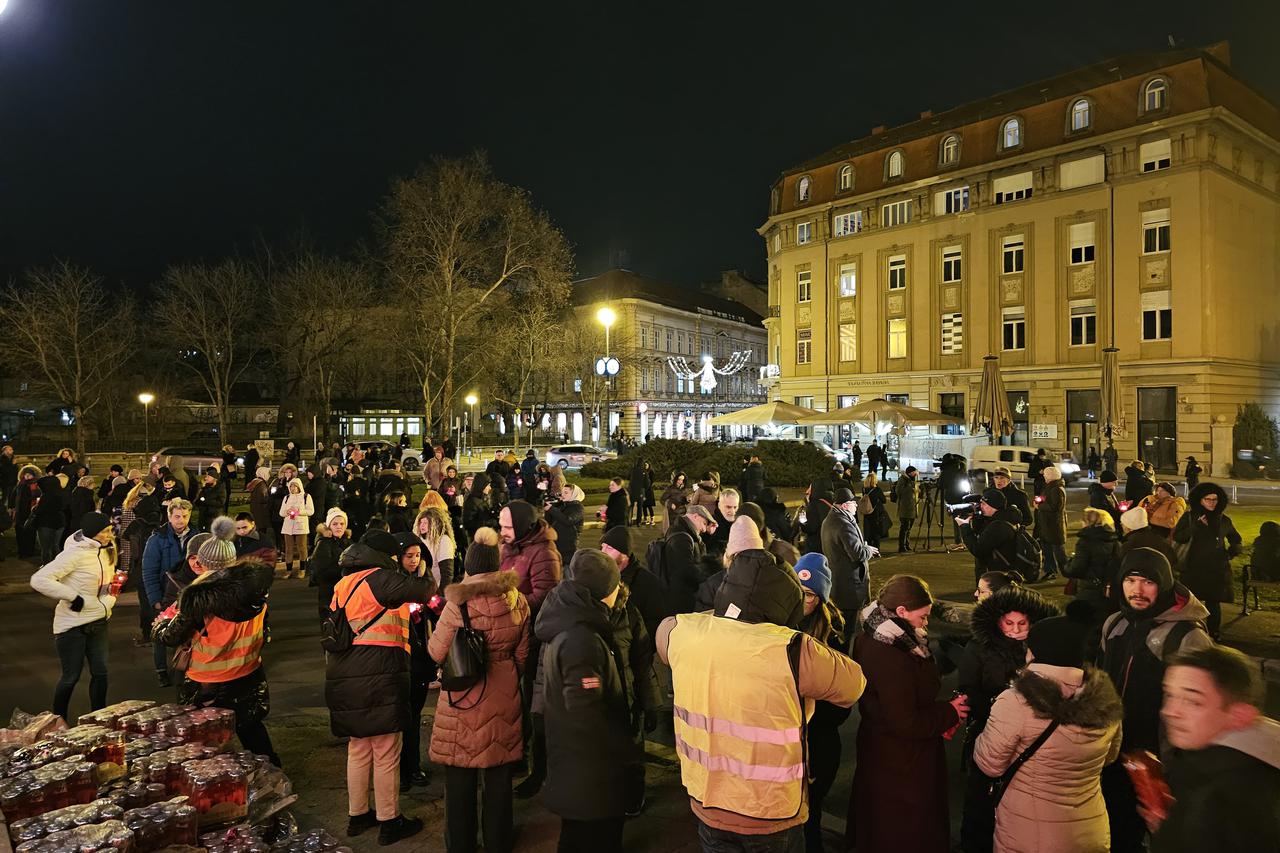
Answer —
1135 204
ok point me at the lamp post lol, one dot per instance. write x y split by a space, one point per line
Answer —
606 317
146 399
471 401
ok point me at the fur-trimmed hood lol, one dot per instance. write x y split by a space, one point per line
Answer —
1193 500
472 587
985 622
237 593
1094 705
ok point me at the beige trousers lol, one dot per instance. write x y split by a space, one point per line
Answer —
381 756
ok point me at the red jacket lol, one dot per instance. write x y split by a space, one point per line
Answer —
536 562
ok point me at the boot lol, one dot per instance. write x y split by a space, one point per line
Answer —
398 829
358 823
162 677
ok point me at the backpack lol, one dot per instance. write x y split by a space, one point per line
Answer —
336 633
1026 554
655 558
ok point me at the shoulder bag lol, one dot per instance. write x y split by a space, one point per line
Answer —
1000 784
467 661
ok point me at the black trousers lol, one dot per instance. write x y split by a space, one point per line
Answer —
904 532
1213 622
411 745
590 836
75 646
1128 831
461 785
824 763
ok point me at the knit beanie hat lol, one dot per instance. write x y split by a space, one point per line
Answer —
618 538
1107 477
744 536
523 517
1060 640
756 514
594 571
194 543
333 513
93 523
815 574
219 551
1150 564
482 555
382 542
994 498
1134 519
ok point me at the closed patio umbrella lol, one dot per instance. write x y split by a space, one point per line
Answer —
1111 418
992 411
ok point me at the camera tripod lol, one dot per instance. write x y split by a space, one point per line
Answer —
931 509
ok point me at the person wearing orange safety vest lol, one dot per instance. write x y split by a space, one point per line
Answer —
222 614
367 686
745 684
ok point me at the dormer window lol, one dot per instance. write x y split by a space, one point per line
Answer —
949 151
802 189
1155 95
1011 134
895 165
1081 115
845 182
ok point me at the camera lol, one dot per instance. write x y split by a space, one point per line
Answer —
965 508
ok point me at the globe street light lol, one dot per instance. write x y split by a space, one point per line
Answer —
145 398
471 401
606 317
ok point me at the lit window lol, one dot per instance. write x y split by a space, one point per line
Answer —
1012 187
804 285
1084 322
802 189
895 213
1155 95
952 333
849 279
804 233
777 242
950 151
1013 250
1011 134
844 224
897 272
1080 117
951 201
951 264
1155 155
1157 316
848 342
680 384
804 346
1015 328
896 165
898 338
1082 243
1155 231
845 182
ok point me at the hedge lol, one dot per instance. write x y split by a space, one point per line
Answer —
786 463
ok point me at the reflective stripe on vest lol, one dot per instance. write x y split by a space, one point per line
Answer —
739 720
225 651
389 629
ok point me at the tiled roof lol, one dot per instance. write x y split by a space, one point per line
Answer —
624 284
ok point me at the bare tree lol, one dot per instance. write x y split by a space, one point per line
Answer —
456 238
61 327
532 342
205 306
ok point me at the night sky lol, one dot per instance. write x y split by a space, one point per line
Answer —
138 134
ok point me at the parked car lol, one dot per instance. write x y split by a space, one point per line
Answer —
194 458
1017 459
574 456
410 457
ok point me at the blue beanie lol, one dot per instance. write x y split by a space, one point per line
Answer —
815 574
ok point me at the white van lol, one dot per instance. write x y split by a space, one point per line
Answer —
986 458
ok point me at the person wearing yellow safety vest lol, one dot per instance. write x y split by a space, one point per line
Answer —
222 614
745 684
367 686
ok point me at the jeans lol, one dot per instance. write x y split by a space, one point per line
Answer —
50 539
75 645
719 841
461 785
590 836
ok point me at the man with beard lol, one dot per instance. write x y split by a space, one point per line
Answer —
1158 618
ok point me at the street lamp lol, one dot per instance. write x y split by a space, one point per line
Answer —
146 399
606 317
471 401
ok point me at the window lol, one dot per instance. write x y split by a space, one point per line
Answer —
1154 155
1010 134
898 338
802 189
777 242
952 333
1155 95
895 165
895 213
897 272
848 342
669 341
951 264
1155 231
577 386
849 279
804 232
1080 115
1013 251
844 224
949 152
1083 172
1084 322
845 181
804 285
804 346
951 201
952 405
680 384
1012 187
1082 243
1157 316
1015 328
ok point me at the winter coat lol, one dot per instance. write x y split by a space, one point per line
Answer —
1164 511
1225 795
325 568
815 512
674 500
164 552
776 517
1137 484
590 751
82 503
906 493
208 504
301 508
1095 563
536 562
1016 499
259 503
849 557
1266 552
706 493
1054 802
639 485
633 648
84 568
478 512
901 726
367 687
617 509
51 511
1051 514
1146 537
752 481
994 542
684 565
648 595
480 727
565 519
1105 499
1211 541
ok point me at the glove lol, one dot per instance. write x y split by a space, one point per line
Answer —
650 720
77 604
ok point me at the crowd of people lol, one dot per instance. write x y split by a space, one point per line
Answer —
745 633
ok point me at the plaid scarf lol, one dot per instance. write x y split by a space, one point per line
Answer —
891 630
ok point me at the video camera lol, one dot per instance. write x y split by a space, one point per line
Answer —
965 508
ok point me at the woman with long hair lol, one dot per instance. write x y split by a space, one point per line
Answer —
874 523
434 528
674 499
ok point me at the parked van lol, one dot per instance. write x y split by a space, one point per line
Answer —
986 458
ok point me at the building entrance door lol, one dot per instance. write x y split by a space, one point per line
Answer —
1082 424
1158 428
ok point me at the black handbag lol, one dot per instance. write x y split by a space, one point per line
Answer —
336 634
1001 784
468 659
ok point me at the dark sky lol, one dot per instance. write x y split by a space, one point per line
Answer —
137 134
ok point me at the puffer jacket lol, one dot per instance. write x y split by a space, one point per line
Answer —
51 511
1162 511
84 568
706 493
536 561
301 524
1095 563
164 552
1206 566
1054 802
481 727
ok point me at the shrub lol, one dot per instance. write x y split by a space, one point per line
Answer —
1254 430
786 463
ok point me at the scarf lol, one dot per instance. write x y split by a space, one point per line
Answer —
891 630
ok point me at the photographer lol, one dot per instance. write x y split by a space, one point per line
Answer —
990 533
564 514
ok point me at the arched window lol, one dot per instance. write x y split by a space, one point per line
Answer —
802 189
895 165
845 182
1081 115
949 152
1155 95
775 202
1010 134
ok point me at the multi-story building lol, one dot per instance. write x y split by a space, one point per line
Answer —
1134 203
663 337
